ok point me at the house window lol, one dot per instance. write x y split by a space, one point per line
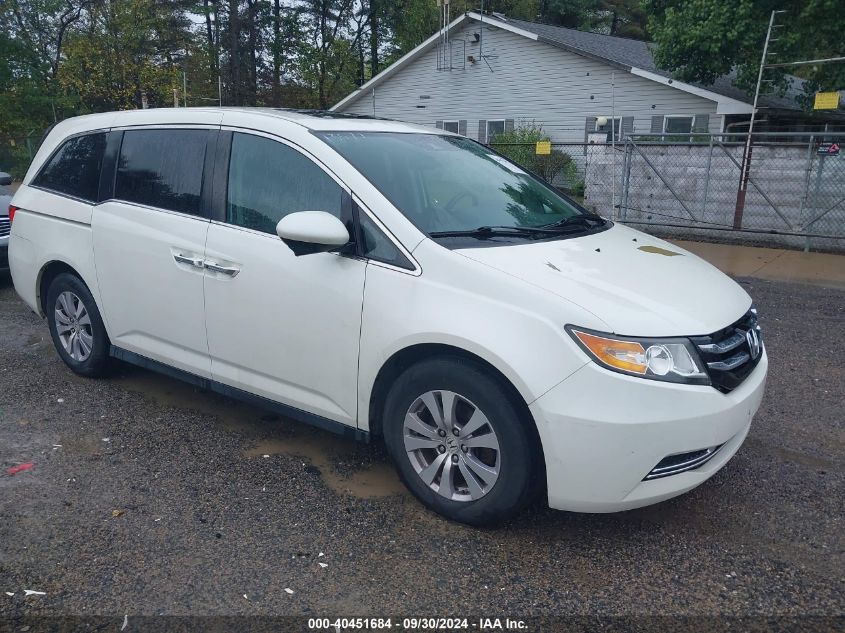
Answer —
451 126
678 124
494 128
610 128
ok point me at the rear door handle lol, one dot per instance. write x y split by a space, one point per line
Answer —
196 262
223 270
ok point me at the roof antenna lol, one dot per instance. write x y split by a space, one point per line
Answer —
481 54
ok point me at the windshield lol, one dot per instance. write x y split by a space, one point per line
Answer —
448 184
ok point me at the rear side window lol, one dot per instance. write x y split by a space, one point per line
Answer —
74 169
268 180
162 169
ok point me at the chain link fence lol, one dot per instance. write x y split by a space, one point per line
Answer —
691 186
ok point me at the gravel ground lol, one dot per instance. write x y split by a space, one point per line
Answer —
150 497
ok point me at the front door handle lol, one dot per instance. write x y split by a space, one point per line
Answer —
196 262
223 270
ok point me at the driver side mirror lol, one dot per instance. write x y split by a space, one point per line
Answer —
307 232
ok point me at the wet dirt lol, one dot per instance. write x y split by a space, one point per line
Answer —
336 459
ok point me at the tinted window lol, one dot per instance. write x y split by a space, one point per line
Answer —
75 168
162 168
269 180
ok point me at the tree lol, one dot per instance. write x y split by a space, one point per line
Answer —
701 40
126 49
519 9
327 48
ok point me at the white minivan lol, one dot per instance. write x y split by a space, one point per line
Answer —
387 280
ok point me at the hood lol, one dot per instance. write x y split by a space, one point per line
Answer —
637 284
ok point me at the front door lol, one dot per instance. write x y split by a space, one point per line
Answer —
281 326
149 244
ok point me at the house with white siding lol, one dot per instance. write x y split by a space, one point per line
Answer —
493 72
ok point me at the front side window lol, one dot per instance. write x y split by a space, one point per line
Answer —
677 124
494 128
162 169
445 183
75 168
269 180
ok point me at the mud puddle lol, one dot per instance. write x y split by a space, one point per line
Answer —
338 460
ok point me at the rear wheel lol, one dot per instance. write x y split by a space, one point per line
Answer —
459 443
76 326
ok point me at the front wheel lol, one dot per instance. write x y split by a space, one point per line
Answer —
459 442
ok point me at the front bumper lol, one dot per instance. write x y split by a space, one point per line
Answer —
603 432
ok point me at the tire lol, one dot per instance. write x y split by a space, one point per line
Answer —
78 333
415 449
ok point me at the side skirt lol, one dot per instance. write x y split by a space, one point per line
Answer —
244 396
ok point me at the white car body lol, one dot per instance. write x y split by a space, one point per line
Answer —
602 432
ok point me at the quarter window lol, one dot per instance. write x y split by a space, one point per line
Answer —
269 180
75 168
162 169
377 246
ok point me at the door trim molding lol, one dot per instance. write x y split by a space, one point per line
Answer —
285 410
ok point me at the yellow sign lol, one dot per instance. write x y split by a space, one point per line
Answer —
826 101
544 148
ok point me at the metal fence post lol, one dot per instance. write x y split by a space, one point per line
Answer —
818 185
707 178
626 179
809 170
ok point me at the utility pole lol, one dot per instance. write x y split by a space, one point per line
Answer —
184 89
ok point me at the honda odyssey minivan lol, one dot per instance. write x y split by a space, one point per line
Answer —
385 280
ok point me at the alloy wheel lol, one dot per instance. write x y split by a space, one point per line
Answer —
73 326
452 445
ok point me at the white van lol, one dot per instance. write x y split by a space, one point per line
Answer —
387 280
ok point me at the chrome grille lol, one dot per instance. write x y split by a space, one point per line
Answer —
682 462
5 226
729 354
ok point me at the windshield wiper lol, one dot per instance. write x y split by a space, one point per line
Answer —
483 232
586 220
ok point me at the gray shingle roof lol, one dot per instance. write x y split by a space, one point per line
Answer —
627 53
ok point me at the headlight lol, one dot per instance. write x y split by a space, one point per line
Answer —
668 359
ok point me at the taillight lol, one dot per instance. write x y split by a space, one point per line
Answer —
12 213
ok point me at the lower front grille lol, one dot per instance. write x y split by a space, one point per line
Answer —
5 226
732 353
682 462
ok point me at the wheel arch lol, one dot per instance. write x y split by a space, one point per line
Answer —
48 272
413 354
419 352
